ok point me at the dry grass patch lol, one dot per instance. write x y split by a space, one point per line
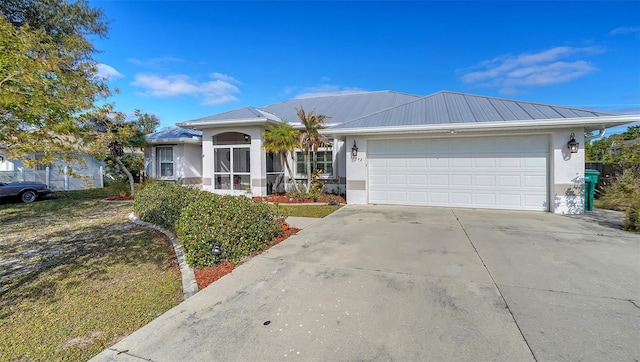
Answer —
77 277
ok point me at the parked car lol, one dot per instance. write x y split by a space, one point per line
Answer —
26 191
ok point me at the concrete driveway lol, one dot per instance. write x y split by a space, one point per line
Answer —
383 283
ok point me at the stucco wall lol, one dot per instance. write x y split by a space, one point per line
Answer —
191 164
356 171
567 173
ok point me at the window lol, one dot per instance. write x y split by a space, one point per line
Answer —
232 164
275 174
165 162
321 160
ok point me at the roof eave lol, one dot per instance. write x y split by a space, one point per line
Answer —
589 123
227 123
190 140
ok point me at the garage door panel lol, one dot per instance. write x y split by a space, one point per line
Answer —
490 172
439 180
535 181
509 181
419 163
397 180
419 197
484 162
485 180
485 199
461 180
417 180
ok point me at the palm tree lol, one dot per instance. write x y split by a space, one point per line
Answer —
282 139
310 138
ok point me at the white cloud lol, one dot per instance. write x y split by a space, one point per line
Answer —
552 66
159 62
624 30
213 92
224 78
107 72
327 90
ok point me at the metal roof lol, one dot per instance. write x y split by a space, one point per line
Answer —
174 133
239 113
459 108
340 108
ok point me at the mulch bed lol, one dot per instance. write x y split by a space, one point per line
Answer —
206 276
286 199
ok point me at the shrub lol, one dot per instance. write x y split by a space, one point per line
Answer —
162 202
241 225
624 194
119 188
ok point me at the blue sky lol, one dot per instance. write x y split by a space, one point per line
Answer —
183 60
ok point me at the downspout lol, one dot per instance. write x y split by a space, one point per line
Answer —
600 134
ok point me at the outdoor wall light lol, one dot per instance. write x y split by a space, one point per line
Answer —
354 149
572 144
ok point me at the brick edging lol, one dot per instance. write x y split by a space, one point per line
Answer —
189 284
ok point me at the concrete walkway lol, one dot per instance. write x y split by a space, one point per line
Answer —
386 283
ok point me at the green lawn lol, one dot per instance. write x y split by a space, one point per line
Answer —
318 211
76 277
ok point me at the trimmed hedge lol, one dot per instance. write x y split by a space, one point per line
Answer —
241 225
161 203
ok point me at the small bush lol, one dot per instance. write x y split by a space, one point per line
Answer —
161 203
119 188
624 195
241 225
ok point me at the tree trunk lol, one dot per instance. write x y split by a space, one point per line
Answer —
291 175
308 170
129 175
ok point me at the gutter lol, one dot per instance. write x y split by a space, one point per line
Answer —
192 140
599 122
226 122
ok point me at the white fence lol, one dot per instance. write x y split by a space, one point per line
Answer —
58 180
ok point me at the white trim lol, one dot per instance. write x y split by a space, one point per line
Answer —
227 122
159 161
607 121
192 140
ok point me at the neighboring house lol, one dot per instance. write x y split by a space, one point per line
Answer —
57 176
445 149
175 154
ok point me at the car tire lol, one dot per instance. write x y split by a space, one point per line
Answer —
28 196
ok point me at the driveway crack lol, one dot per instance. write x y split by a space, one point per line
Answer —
496 285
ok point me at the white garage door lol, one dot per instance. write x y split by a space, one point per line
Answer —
484 172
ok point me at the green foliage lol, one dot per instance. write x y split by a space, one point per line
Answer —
283 140
317 184
133 163
119 187
147 123
242 226
48 79
596 150
161 203
310 138
617 149
624 195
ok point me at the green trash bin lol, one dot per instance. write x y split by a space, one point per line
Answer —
590 181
